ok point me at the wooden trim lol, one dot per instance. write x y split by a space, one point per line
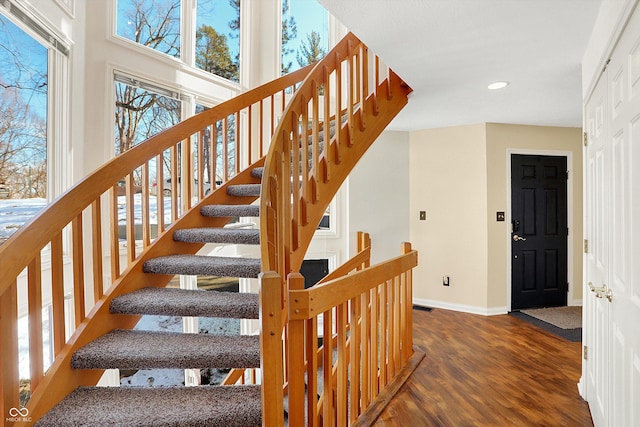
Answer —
373 411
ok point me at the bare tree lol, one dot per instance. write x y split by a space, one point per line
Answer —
23 142
23 131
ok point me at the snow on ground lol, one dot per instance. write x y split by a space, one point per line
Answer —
16 212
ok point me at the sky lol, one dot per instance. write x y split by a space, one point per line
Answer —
308 14
15 44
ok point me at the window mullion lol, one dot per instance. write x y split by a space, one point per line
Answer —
188 31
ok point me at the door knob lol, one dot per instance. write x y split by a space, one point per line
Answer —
516 238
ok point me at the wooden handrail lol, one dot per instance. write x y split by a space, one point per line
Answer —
307 303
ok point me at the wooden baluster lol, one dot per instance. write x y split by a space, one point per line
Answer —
297 125
365 85
250 131
9 355
261 141
396 325
270 347
354 360
342 365
96 239
327 369
174 182
200 177
78 269
130 214
35 321
408 281
186 176
160 192
144 196
365 331
312 371
272 128
57 294
384 358
338 107
350 93
237 135
304 143
296 360
373 335
225 149
213 154
115 240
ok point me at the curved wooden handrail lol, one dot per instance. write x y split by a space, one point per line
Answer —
22 247
344 91
79 232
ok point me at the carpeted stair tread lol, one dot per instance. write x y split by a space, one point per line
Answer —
184 302
230 211
200 265
244 190
236 236
134 349
228 406
257 172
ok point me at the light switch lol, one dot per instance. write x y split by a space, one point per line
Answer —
423 215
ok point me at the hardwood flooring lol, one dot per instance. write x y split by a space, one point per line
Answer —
489 371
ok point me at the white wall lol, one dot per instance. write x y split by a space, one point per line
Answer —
379 196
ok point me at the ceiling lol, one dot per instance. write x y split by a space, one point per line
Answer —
448 51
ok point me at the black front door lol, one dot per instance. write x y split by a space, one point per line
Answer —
539 231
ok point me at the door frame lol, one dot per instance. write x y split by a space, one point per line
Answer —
570 210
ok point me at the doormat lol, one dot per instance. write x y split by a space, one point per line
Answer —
573 334
562 317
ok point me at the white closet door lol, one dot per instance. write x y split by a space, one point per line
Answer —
624 277
612 161
596 310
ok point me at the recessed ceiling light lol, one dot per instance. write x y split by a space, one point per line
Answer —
498 85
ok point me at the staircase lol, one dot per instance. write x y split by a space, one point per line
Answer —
238 405
288 188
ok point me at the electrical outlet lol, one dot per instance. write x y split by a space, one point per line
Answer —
445 280
423 215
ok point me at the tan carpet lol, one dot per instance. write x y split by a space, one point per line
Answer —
562 317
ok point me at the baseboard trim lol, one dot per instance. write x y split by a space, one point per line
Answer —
484 311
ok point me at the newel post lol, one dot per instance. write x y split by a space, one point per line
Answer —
407 284
271 349
296 360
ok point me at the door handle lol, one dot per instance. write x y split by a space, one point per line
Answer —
602 291
517 238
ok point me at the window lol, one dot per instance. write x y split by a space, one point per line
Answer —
213 45
151 23
305 33
218 38
24 77
141 112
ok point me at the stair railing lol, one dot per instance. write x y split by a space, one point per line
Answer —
55 262
349 341
331 121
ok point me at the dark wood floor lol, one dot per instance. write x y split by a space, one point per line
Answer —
489 371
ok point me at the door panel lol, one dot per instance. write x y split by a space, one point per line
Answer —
539 246
612 221
596 312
